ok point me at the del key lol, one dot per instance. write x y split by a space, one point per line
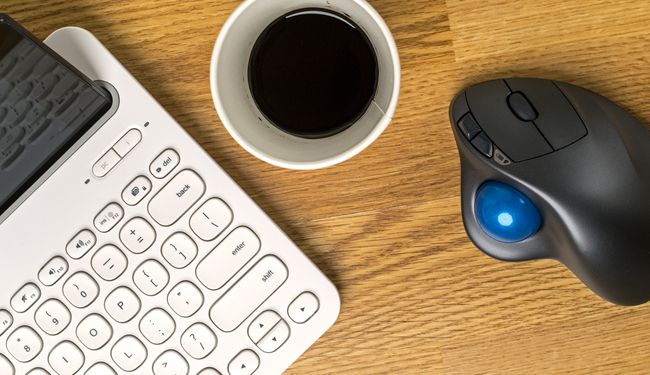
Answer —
257 286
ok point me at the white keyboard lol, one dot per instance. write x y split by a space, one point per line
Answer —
149 259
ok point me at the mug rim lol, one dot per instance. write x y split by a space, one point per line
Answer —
349 153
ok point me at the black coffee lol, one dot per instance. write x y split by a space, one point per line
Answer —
313 73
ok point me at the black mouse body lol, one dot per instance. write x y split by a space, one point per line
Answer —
551 170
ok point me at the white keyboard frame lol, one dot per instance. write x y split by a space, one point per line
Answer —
40 228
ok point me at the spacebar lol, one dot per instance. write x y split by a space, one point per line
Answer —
249 293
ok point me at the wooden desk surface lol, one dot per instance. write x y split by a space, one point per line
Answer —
418 297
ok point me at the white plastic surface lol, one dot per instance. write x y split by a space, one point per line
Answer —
64 205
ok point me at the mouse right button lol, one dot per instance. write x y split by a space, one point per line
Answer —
556 119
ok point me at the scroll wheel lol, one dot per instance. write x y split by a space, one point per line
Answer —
521 106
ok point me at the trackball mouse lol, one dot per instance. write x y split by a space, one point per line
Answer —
552 170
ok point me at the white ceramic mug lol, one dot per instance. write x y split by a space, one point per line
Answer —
251 129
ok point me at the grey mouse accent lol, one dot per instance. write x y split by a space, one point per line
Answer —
581 159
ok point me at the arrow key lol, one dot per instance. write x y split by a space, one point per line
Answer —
275 338
303 307
244 363
262 325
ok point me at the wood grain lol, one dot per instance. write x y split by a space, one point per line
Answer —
418 298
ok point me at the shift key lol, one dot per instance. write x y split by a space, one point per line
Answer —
181 193
249 293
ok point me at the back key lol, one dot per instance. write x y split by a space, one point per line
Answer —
185 189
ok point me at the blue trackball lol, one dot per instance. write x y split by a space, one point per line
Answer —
505 214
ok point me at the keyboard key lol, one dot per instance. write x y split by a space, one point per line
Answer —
94 332
52 317
24 344
100 369
66 358
176 198
185 299
81 244
106 163
211 219
137 235
257 285
157 326
164 163
53 271
127 142
275 338
37 371
171 363
109 217
209 371
25 297
199 341
109 262
303 307
6 320
151 277
262 325
122 304
245 363
136 191
81 290
179 250
129 353
230 256
5 366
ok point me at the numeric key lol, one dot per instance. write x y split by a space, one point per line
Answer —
52 317
81 290
24 344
